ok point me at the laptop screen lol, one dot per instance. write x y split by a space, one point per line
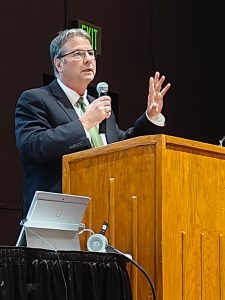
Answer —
55 217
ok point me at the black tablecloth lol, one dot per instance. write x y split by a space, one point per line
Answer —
27 273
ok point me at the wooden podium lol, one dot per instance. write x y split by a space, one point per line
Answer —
164 199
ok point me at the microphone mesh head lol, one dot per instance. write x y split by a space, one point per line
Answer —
102 87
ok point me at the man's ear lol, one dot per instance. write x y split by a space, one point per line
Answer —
58 64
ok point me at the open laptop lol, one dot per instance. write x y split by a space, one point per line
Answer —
53 221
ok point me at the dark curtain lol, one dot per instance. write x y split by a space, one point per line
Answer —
37 274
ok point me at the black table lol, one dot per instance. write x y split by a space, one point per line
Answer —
28 273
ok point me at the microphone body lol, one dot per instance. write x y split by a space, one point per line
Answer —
102 125
102 90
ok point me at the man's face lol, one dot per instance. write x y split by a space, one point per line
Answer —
73 71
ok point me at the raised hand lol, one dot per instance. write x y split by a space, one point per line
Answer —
155 95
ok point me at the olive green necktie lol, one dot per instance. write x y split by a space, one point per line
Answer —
96 139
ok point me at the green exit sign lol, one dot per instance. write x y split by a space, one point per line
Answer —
94 32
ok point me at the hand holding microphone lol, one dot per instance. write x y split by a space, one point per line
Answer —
96 112
102 89
99 110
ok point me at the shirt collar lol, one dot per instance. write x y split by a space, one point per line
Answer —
71 94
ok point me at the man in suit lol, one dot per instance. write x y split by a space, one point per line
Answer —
58 119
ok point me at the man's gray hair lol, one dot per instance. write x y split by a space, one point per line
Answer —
56 46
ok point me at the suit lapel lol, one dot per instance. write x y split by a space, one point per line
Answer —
62 100
60 97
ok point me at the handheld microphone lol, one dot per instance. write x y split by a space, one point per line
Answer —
102 90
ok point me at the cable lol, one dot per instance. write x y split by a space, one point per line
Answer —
114 250
56 252
81 228
86 230
99 243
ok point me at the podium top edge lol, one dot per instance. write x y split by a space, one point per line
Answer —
160 140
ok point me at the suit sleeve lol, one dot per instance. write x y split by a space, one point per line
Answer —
44 131
142 126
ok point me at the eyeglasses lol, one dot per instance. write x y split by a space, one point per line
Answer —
80 54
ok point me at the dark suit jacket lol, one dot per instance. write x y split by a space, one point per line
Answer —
47 127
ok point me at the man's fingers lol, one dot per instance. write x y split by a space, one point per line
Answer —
151 86
156 77
107 109
155 84
165 89
103 98
151 81
158 85
104 103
